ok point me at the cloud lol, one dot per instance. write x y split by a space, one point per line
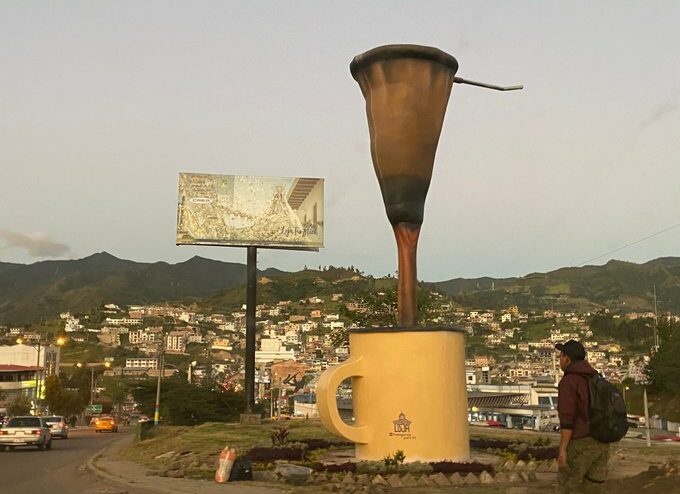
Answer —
35 244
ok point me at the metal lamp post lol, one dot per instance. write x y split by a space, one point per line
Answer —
20 341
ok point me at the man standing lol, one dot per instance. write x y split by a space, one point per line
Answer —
582 459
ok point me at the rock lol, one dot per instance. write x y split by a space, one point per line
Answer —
363 479
486 478
532 465
378 489
440 479
520 465
501 477
524 476
293 474
169 454
265 476
542 466
379 480
517 490
175 473
408 480
456 479
347 479
553 468
508 466
394 480
471 479
336 478
331 488
513 477
317 479
532 477
424 480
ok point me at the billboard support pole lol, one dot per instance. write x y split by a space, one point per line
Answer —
251 301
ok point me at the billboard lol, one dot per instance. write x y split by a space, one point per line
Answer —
236 210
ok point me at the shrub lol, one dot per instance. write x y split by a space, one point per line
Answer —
279 436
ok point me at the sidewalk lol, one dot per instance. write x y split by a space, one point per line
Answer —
133 477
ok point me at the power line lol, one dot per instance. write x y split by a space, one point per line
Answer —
630 244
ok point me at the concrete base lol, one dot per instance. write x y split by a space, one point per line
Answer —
250 419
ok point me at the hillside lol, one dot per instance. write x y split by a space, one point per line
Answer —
617 286
43 289
29 292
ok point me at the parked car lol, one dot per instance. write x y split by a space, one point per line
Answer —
58 426
25 431
142 418
106 424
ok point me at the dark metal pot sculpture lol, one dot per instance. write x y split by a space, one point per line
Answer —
407 89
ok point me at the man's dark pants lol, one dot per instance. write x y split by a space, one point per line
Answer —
587 467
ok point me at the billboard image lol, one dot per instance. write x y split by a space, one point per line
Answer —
277 212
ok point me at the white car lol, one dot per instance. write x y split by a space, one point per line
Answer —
25 431
58 426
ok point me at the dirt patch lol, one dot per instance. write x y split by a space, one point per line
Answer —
663 479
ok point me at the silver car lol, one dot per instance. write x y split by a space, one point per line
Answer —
58 426
25 431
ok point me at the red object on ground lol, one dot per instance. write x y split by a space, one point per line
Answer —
665 438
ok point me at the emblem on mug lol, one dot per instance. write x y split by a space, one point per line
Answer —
402 427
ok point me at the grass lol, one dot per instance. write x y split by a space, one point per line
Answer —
207 440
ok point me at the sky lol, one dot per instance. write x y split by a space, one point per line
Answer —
103 103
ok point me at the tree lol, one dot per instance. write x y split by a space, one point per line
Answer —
664 372
21 405
186 404
61 401
116 389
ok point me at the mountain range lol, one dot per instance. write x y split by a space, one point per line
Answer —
29 292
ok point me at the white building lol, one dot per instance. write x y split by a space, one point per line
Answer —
27 355
146 335
271 350
141 363
122 321
176 342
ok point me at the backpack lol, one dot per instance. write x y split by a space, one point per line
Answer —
242 469
608 420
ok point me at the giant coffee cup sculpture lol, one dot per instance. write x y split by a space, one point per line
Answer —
408 382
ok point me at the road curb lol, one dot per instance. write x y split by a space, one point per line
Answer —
91 466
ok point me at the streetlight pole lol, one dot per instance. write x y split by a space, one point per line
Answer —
91 385
38 388
37 381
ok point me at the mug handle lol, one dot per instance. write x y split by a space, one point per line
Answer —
327 404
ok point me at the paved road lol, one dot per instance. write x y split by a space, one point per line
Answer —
59 470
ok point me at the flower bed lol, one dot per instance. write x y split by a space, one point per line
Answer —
523 451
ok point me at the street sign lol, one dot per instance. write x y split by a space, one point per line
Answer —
94 408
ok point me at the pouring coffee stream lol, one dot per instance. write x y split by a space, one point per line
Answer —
407 89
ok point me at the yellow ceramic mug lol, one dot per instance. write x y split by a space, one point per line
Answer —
408 393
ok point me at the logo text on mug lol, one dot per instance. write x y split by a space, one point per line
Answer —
402 427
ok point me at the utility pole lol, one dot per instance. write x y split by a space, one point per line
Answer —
656 332
647 424
161 364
